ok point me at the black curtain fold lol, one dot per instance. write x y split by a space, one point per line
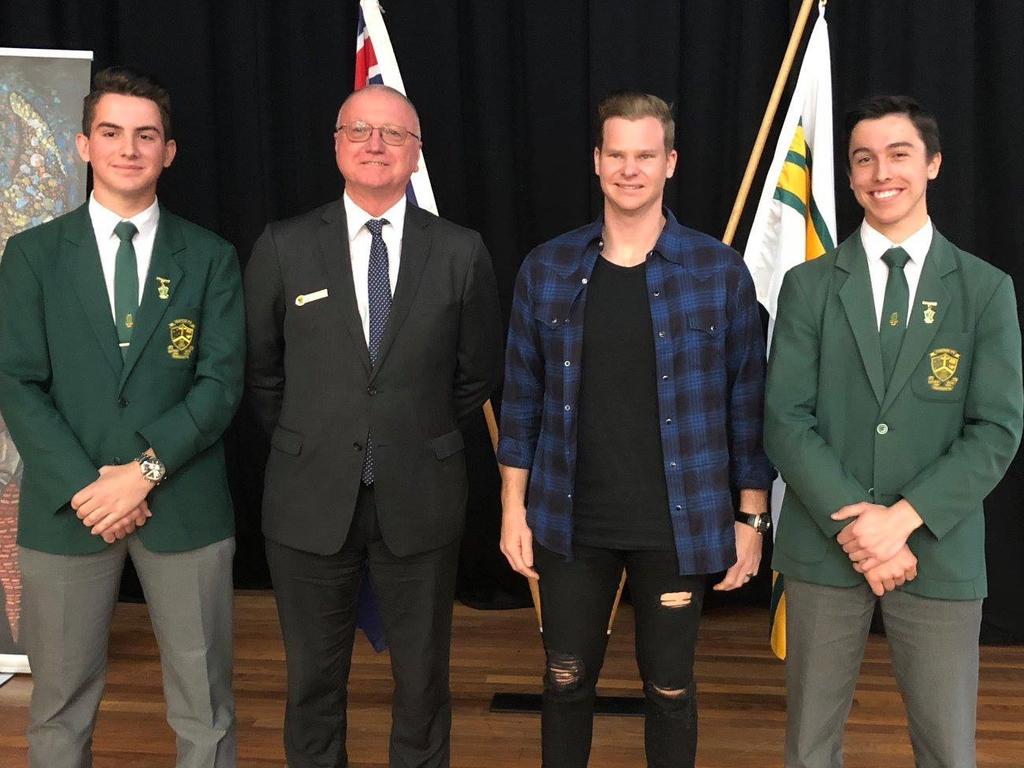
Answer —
506 91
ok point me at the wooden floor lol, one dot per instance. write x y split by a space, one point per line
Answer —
741 694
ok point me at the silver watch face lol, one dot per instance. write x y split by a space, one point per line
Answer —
152 469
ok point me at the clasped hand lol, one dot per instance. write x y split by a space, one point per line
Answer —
876 542
114 505
877 534
893 573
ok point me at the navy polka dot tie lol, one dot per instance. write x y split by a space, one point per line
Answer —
378 285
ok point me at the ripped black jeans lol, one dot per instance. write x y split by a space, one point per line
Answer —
576 599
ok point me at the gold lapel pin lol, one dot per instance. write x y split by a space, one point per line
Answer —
929 311
163 289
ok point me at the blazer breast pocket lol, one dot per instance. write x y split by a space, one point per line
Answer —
943 373
179 337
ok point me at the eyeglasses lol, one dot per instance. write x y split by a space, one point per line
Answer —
393 135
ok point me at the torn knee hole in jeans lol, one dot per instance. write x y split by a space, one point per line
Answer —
669 693
565 671
676 599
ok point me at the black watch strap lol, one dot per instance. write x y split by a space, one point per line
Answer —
761 523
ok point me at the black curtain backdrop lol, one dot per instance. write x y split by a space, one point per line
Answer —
506 91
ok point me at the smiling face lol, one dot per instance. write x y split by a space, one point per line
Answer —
889 174
127 150
632 165
376 173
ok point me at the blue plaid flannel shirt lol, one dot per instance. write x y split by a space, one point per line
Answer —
710 364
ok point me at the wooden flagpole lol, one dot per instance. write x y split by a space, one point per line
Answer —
769 117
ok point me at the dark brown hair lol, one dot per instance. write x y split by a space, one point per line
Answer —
880 106
126 82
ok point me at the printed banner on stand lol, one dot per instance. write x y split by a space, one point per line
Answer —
41 177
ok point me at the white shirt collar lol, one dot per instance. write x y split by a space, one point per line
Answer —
917 245
104 220
356 217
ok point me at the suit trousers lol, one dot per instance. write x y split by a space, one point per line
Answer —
934 646
316 603
67 604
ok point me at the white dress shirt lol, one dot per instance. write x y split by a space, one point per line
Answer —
359 239
876 244
103 222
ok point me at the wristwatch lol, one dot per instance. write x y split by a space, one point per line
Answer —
760 523
152 468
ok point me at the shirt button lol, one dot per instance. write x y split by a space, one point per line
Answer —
567 363
554 321
661 334
679 508
672 464
668 421
711 328
882 428
584 281
657 293
568 407
664 378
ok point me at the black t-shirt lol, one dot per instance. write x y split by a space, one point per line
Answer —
620 500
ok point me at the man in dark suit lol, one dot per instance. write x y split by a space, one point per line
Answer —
121 364
893 407
373 327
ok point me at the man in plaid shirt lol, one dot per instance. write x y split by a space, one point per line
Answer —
632 415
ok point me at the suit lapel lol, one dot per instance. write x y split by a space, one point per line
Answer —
416 242
332 238
859 304
937 264
167 247
89 285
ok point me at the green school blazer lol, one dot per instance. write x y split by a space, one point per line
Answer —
72 404
940 435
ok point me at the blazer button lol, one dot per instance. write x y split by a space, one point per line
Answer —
116 460
371 391
882 428
357 446
122 403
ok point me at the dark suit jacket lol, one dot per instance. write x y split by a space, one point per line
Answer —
72 405
940 435
314 392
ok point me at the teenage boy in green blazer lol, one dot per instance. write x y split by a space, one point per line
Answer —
893 407
121 364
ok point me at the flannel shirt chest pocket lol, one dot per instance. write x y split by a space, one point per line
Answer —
558 334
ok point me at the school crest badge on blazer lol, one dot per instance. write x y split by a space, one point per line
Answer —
944 363
182 334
